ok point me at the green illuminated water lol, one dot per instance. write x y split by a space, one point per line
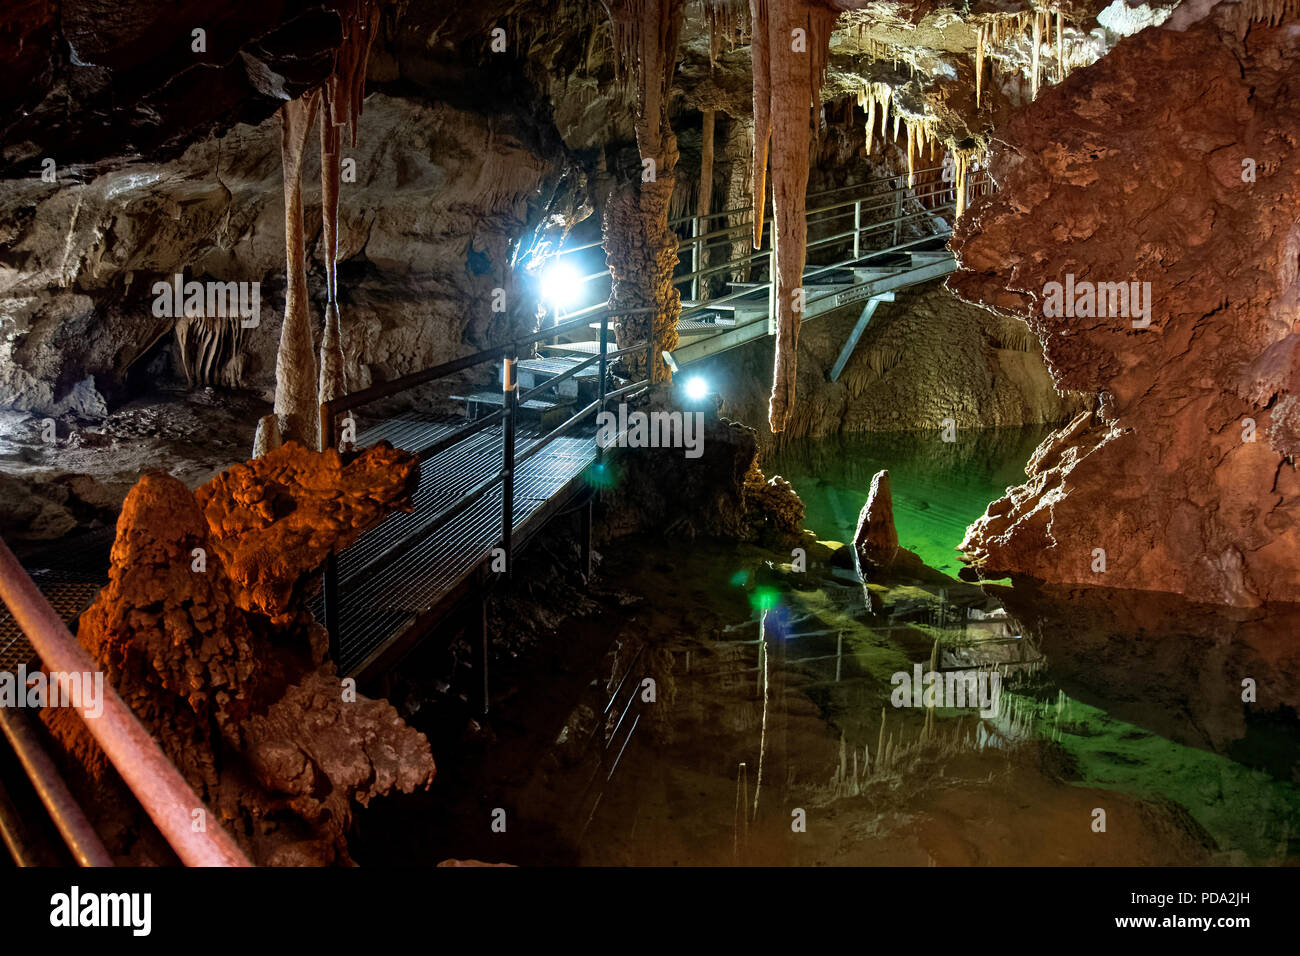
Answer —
938 487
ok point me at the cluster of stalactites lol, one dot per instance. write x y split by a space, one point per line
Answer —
920 133
993 32
1271 12
963 160
728 25
874 99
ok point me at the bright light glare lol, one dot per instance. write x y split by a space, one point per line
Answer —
696 388
561 285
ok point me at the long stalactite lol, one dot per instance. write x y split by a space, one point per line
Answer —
790 46
341 104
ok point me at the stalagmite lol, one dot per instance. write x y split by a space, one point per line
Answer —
787 81
295 364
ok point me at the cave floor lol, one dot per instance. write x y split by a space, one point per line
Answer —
58 477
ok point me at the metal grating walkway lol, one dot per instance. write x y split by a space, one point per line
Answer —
397 571
69 592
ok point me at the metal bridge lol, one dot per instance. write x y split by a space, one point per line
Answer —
524 449
521 454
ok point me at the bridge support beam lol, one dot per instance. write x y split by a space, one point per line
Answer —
859 327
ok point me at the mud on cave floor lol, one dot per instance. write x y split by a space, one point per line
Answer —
586 771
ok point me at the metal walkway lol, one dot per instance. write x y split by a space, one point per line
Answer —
492 479
862 249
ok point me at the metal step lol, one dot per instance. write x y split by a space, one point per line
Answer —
544 408
581 348
534 372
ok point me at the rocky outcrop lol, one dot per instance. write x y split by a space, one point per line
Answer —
1185 481
204 633
716 491
276 518
875 543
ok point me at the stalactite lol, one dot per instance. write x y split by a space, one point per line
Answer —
341 104
1033 56
760 58
728 22
295 365
786 83
1060 46
979 62
911 154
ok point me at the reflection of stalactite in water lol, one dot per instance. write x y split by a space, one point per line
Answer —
762 734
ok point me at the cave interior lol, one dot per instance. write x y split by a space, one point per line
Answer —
650 432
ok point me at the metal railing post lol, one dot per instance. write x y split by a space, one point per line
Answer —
330 577
603 365
697 257
510 396
857 229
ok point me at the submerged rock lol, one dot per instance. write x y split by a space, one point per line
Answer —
876 541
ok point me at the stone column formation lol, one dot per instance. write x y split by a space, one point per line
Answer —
295 363
640 248
339 100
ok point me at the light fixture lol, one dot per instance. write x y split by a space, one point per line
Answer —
561 286
696 388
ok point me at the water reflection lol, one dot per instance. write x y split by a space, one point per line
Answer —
1125 702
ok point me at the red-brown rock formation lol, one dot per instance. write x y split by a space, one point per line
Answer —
274 519
1171 161
203 631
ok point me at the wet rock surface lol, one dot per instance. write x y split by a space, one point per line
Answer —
1184 481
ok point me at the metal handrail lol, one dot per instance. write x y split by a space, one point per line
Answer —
507 353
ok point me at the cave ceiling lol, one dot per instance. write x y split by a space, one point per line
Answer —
101 83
